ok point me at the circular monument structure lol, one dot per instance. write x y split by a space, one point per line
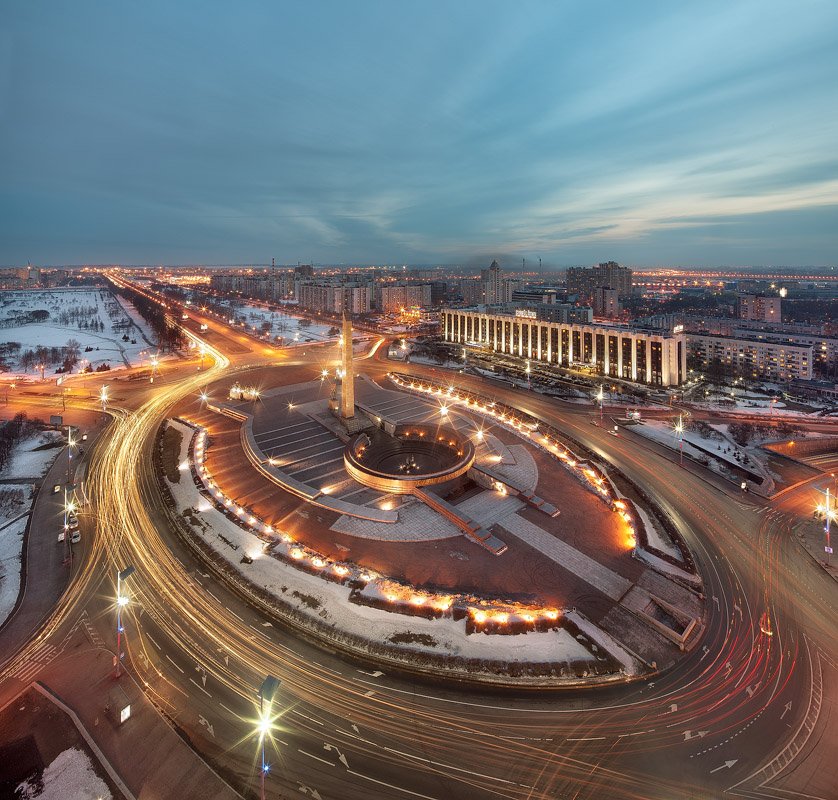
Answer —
410 457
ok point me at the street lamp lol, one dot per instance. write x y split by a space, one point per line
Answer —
103 397
528 371
121 601
679 429
266 695
601 397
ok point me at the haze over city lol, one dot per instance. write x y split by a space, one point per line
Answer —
652 133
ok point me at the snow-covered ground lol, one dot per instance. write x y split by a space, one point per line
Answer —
286 324
27 460
92 318
329 602
11 550
71 775
720 450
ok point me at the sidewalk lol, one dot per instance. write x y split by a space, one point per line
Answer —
145 752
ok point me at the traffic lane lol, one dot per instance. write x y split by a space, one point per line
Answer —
47 570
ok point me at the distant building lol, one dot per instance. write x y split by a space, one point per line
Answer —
606 302
336 296
657 358
760 307
751 357
471 291
563 312
394 297
272 286
585 280
491 284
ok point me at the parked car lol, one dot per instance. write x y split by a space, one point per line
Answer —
75 537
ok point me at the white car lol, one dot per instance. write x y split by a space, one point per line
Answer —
75 537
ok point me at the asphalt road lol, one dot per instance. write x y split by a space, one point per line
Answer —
707 728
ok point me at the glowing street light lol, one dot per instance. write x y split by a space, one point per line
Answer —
601 397
121 602
679 430
266 695
103 397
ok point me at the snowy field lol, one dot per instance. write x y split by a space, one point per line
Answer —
11 550
28 459
27 462
72 776
90 327
286 325
720 450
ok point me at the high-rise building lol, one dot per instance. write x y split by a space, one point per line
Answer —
394 297
606 302
585 280
760 307
492 284
335 296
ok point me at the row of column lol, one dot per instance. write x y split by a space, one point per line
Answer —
469 327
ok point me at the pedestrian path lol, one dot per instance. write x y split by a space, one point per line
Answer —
592 572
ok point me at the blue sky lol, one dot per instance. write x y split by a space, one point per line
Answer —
433 132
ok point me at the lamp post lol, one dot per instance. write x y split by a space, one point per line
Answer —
103 398
679 429
266 695
601 397
121 601
528 371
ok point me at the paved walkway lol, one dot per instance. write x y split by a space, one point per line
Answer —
417 523
601 578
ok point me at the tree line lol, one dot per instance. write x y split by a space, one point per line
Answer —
168 334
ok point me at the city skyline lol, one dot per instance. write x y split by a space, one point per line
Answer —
377 134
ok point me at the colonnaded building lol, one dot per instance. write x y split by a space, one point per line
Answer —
653 357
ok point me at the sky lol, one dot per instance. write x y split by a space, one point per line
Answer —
650 133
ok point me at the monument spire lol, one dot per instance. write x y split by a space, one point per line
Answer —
347 392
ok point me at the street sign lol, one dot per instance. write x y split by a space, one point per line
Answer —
827 550
56 419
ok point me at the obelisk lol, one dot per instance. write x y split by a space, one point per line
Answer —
347 392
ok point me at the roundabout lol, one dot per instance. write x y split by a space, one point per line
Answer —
437 530
200 644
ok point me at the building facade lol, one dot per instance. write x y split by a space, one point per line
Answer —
606 302
751 357
335 297
394 297
658 358
760 307
585 280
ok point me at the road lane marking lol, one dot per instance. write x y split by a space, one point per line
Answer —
587 739
153 642
300 713
228 710
330 763
174 665
233 613
200 687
